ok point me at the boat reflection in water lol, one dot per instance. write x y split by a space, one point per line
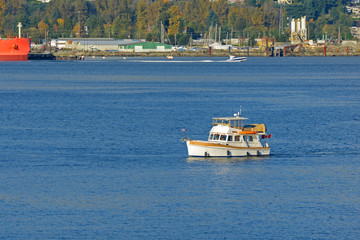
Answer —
225 159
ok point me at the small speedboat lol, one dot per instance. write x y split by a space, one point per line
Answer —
232 58
170 57
229 137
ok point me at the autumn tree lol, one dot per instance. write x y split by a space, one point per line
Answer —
196 13
60 23
174 21
107 28
42 26
2 10
76 30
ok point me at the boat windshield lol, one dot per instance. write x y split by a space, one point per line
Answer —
234 122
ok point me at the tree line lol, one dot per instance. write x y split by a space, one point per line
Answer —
180 19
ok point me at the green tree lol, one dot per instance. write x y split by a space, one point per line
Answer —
141 20
235 20
96 26
121 26
221 9
212 19
184 39
34 34
295 10
152 14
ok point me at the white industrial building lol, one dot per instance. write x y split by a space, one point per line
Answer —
298 30
92 44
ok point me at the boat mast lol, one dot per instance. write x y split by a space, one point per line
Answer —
19 26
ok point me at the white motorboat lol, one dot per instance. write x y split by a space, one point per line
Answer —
229 137
236 59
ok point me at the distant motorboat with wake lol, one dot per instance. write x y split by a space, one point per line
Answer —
233 58
229 137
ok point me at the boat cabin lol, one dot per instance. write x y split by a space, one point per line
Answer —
232 131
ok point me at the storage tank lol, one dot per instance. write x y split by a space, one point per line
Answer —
293 28
298 25
303 23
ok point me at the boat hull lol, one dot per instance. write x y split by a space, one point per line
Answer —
13 57
205 149
237 60
14 49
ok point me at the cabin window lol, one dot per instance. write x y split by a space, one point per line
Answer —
230 138
216 137
245 138
250 138
234 123
223 137
237 138
211 136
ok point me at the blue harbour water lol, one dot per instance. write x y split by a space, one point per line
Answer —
92 149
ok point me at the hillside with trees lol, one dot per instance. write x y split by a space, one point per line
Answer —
142 19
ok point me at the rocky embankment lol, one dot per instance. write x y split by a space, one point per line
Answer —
298 52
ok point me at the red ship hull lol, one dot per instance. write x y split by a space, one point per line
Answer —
14 49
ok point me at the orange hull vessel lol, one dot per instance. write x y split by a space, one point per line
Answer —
14 49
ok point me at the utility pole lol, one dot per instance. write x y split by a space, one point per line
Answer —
215 32
219 34
210 34
162 33
191 39
281 24
79 24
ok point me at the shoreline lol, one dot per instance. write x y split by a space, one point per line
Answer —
316 52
